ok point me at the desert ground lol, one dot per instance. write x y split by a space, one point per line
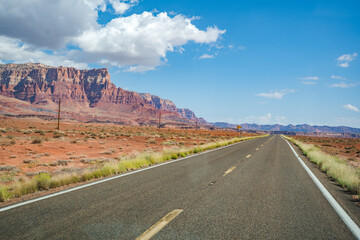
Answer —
30 146
347 148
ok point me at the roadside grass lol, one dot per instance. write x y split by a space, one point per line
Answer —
45 181
334 166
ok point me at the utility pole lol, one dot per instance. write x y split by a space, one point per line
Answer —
159 120
58 126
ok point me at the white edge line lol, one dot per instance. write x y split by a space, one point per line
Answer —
336 206
111 178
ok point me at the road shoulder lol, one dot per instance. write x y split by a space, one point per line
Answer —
346 200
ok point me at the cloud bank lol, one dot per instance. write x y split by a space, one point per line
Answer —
67 33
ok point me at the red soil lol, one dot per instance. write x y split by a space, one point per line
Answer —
18 142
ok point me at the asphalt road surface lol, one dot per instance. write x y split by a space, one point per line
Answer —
256 189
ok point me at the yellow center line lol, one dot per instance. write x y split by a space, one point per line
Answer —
248 156
154 229
228 171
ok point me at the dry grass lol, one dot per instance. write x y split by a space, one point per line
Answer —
334 166
44 181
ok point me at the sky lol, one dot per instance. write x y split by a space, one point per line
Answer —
265 62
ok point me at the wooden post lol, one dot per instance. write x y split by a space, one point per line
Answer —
58 126
159 120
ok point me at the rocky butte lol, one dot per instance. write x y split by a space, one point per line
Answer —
34 89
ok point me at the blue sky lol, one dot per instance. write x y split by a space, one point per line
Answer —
266 62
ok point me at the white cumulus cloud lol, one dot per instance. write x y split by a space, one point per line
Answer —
345 59
143 39
121 6
276 94
68 30
351 107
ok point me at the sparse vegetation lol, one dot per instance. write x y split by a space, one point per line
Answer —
36 140
28 131
334 166
6 143
43 180
9 168
59 162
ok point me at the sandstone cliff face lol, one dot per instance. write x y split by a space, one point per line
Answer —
187 113
43 85
167 105
40 84
159 103
37 83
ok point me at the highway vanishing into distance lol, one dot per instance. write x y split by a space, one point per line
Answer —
255 189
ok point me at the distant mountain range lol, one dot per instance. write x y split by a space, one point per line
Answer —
34 89
290 128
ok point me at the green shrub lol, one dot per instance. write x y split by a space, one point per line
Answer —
43 181
182 154
166 158
196 150
4 194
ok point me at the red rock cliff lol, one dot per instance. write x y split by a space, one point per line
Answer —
43 85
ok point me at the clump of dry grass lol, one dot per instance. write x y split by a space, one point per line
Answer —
36 140
59 134
334 166
109 151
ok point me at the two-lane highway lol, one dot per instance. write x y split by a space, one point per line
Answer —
256 189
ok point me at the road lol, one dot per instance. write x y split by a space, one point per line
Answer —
256 189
